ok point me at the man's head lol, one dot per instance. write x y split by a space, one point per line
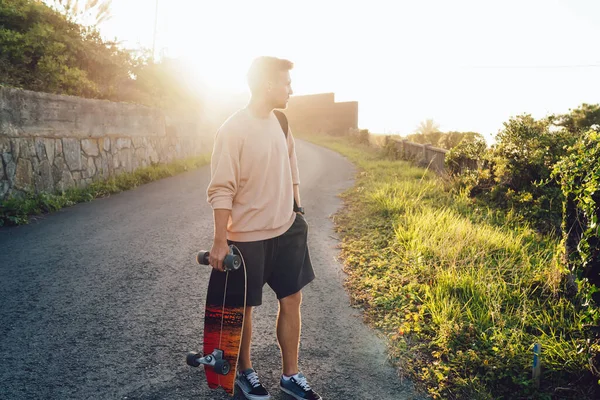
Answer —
269 80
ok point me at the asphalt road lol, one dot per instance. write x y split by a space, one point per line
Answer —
103 300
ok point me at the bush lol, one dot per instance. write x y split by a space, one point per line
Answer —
43 50
360 136
390 148
465 156
579 176
515 174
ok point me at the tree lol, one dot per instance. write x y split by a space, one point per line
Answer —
452 139
416 138
83 12
43 50
579 120
430 131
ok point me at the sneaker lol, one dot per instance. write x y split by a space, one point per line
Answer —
298 388
249 383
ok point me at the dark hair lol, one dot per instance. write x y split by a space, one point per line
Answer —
264 68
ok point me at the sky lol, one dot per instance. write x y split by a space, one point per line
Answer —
470 65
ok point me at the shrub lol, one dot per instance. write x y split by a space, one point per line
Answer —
465 156
579 176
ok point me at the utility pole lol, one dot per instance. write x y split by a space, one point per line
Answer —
155 23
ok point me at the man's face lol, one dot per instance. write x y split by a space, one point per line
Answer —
280 89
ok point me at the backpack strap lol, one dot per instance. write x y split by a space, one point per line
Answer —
283 121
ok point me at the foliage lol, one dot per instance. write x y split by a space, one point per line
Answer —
44 50
428 132
515 173
17 210
444 140
579 177
450 140
360 136
465 155
525 152
390 148
462 291
88 13
580 119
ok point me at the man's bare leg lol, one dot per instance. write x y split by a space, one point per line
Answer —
288 332
244 360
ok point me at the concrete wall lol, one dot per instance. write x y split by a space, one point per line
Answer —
319 113
50 142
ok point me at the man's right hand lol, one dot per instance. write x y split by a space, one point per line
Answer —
218 252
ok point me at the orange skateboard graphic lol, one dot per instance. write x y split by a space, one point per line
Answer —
223 322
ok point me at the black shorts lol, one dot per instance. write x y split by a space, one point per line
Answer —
283 262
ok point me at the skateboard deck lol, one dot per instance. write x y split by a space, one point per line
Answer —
223 322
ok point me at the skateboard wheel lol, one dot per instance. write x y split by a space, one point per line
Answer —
232 262
192 359
202 258
222 367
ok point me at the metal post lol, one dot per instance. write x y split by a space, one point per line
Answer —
537 350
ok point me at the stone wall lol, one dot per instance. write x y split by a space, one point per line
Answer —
50 142
320 113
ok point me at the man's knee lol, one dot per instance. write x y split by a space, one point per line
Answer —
292 301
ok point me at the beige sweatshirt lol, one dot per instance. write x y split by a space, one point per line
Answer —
253 171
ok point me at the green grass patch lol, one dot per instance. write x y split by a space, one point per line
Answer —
463 291
18 210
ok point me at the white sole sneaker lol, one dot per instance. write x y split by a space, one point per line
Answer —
284 390
252 396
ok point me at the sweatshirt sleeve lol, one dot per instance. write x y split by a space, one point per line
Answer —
293 159
224 170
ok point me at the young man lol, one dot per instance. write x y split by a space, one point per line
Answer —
254 183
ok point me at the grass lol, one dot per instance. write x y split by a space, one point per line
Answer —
462 291
18 210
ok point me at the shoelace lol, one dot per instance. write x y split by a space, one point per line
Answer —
253 379
301 381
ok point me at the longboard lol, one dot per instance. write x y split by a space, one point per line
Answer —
223 322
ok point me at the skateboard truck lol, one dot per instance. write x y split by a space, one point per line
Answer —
230 263
214 360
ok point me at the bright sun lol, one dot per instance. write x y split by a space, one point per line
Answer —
382 57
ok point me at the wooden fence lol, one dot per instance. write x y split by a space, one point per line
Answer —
424 155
